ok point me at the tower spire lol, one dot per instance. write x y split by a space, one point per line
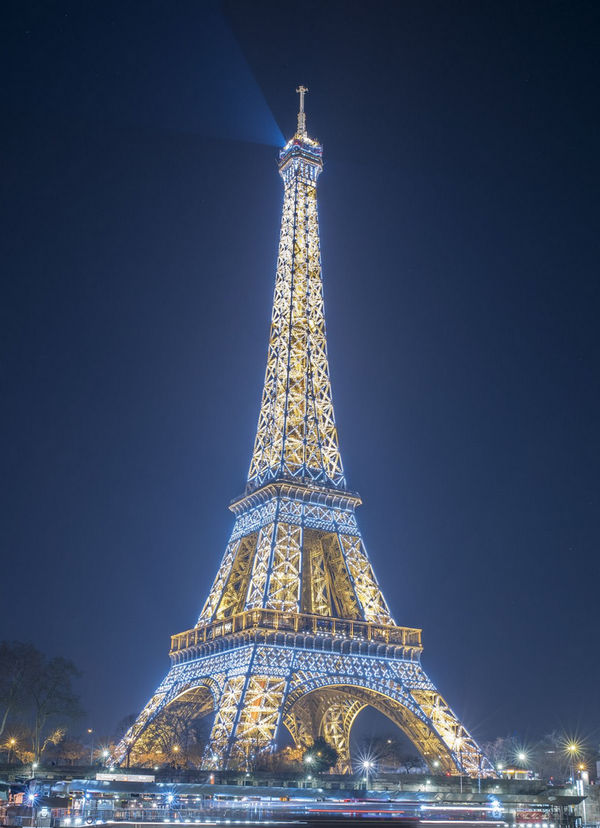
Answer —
301 90
296 435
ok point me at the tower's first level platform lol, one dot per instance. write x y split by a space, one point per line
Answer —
315 632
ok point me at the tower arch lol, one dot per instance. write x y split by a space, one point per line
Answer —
329 707
165 725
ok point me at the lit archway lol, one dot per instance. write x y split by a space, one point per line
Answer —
330 711
172 735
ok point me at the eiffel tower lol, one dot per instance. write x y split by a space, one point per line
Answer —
296 630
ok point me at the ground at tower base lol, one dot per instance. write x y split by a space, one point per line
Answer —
74 797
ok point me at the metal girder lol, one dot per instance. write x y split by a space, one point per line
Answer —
338 715
236 587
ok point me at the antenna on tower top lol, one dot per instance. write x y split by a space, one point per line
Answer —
302 90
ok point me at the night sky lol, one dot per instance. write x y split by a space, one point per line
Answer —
459 213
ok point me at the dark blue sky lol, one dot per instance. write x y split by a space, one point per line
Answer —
459 226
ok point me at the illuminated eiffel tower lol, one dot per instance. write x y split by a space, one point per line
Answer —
295 630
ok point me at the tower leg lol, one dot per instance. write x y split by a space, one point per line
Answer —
336 724
248 715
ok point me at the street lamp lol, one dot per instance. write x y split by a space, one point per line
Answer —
367 765
522 758
572 751
31 799
11 745
90 730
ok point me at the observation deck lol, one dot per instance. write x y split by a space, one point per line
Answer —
301 148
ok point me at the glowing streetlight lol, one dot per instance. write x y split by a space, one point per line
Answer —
572 749
367 765
11 746
522 757
90 730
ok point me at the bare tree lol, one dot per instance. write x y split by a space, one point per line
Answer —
123 726
18 664
53 698
502 751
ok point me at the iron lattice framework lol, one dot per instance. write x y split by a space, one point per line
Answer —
295 629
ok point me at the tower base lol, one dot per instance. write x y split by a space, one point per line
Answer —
264 668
